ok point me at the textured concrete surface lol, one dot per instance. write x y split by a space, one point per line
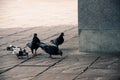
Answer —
99 25
106 68
74 65
99 14
100 41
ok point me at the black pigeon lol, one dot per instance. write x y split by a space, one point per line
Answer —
59 40
50 49
35 44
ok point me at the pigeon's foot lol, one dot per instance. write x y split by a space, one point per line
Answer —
34 54
51 57
19 57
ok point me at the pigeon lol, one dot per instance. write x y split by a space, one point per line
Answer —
18 51
35 44
50 49
59 40
11 47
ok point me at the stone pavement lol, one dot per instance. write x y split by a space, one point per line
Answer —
74 65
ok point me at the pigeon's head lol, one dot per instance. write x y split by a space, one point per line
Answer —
35 34
60 52
62 34
10 47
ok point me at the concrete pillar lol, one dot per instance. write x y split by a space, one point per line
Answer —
99 25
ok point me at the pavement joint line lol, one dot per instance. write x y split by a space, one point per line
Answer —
13 41
30 35
49 67
85 69
16 65
34 65
4 55
19 32
58 33
16 33
71 38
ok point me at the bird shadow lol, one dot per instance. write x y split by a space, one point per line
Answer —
44 55
55 58
69 49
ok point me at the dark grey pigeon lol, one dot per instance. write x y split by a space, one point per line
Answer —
59 40
50 49
35 44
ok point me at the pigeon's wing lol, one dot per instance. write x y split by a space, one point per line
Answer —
60 40
53 50
29 45
43 46
54 41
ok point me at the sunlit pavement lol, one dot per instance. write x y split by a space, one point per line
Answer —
74 65
31 13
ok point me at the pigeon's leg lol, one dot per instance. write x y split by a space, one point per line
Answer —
32 51
50 56
35 52
19 57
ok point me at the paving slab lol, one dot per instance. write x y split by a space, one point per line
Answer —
100 74
107 62
41 60
52 76
29 69
8 61
22 73
11 31
67 69
106 68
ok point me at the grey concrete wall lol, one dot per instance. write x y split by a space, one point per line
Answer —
99 25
